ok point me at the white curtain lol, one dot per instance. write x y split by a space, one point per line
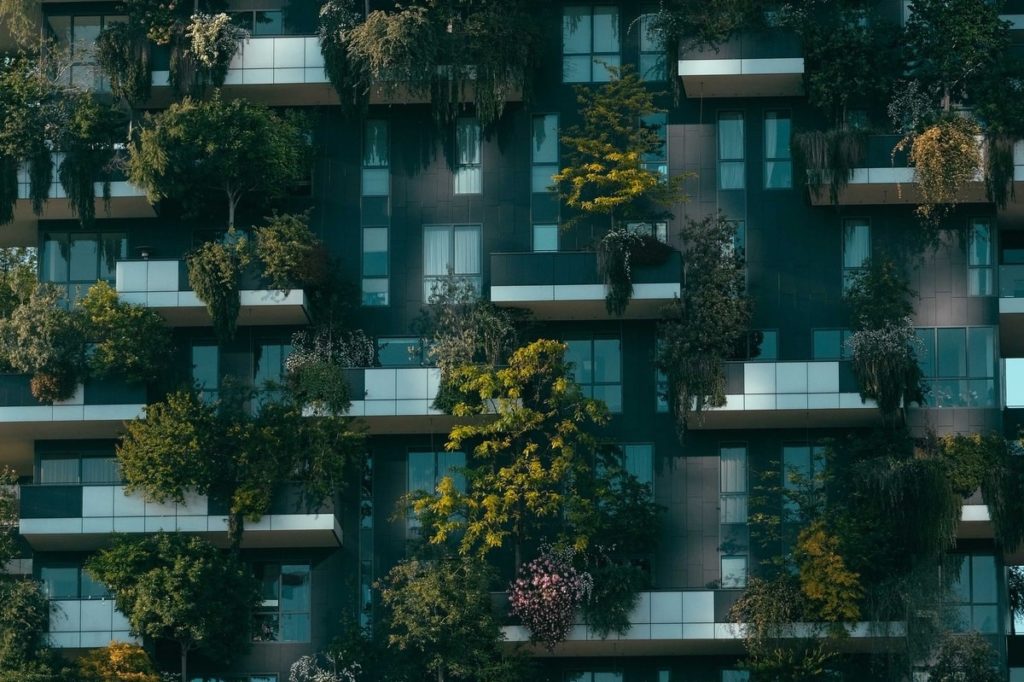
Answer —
856 244
734 470
435 251
467 251
58 470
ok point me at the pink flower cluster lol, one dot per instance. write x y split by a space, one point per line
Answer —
546 594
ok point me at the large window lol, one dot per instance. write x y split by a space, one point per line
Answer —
543 165
638 460
425 470
70 582
70 469
657 160
283 615
959 366
597 368
468 164
980 281
830 344
450 249
975 594
653 64
800 465
590 43
78 34
856 249
778 165
375 215
732 168
732 506
77 260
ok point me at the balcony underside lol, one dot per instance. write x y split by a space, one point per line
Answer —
848 412
888 186
778 77
272 532
258 307
43 422
22 230
584 301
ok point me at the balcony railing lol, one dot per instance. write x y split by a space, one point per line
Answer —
565 285
97 409
163 286
752 64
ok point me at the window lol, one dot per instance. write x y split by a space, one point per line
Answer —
734 571
401 351
778 165
759 344
366 543
658 230
959 366
590 43
856 249
653 65
979 259
733 484
450 249
206 371
830 344
543 165
77 260
657 161
638 460
75 470
597 368
975 594
731 164
800 465
269 371
468 169
425 470
375 213
79 35
70 582
259 22
283 614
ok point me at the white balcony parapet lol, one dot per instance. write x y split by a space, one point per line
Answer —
87 624
159 284
271 60
67 418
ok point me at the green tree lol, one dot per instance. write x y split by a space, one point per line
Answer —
702 327
197 151
224 450
604 175
17 278
527 462
24 621
441 610
182 589
965 658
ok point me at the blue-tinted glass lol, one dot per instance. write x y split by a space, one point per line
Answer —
981 361
578 355
268 23
983 579
545 139
607 361
59 582
826 344
952 352
926 351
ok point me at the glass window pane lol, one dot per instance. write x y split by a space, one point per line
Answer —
294 588
421 471
376 211
113 247
452 464
734 571
607 361
376 182
733 469
576 69
610 395
375 146
926 351
467 141
84 258
55 258
856 243
731 175
399 351
606 28
576 25
545 139
59 582
980 282
467 251
653 67
983 579
59 470
100 470
776 135
601 72
294 627
205 368
979 251
468 180
952 352
981 346
86 31
730 136
541 178
93 589
268 23
639 461
985 619
764 344
650 39
375 292
826 344
577 354
436 251
778 174
60 26
545 237
961 586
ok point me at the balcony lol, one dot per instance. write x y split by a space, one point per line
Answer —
566 285
885 179
82 517
163 286
778 395
98 409
87 624
690 621
126 201
752 64
288 71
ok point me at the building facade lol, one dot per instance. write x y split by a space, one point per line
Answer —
398 214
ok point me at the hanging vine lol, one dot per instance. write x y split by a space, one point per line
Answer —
618 251
215 274
946 157
829 158
88 145
122 53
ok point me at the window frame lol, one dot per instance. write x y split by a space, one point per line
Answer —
452 228
989 267
929 363
463 167
659 53
593 383
849 272
609 58
768 160
277 610
740 161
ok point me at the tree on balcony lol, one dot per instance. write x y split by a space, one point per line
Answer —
688 24
197 153
182 589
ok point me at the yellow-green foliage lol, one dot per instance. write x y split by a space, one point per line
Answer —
825 578
946 156
117 662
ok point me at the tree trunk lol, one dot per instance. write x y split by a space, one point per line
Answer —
440 674
231 211
184 663
236 526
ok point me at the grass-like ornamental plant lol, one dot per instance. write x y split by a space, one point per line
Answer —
618 251
546 594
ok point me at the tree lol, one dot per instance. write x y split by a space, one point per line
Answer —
117 662
17 278
605 174
965 658
701 328
224 450
441 610
195 151
24 621
182 589
527 462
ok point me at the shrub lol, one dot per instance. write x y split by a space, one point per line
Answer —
214 273
965 658
117 662
128 341
214 42
546 594
945 156
885 365
317 363
615 594
618 251
287 250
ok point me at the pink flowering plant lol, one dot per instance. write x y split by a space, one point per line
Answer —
547 593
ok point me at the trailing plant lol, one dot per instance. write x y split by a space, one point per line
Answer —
879 295
965 657
885 363
88 145
614 594
945 157
604 177
214 273
44 339
546 594
287 250
127 341
999 169
198 152
348 76
317 363
618 251
324 667
829 158
122 53
214 41
701 329
1015 595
